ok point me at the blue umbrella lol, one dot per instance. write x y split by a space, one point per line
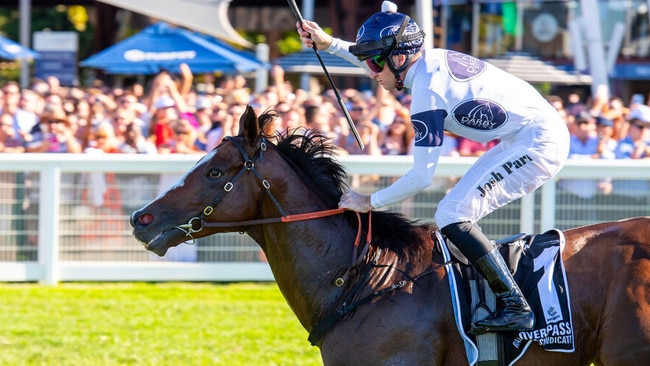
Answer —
162 47
306 62
14 51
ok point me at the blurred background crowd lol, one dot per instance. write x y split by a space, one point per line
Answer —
175 115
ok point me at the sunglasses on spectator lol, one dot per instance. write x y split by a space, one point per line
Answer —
376 63
54 121
357 109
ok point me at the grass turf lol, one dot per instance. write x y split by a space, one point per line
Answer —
150 324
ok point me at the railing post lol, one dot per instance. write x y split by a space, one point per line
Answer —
547 206
527 214
48 224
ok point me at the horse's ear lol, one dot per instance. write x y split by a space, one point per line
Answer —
248 125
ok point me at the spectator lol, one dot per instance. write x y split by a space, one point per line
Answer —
231 122
606 141
184 140
634 193
634 145
84 121
368 130
53 134
104 140
386 110
214 136
399 138
135 143
24 120
574 106
54 103
10 140
580 193
317 117
203 116
558 104
290 118
99 112
616 113
164 113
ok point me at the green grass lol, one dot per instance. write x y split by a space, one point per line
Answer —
150 324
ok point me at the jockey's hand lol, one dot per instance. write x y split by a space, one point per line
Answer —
311 34
354 201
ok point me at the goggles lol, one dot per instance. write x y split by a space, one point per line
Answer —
376 63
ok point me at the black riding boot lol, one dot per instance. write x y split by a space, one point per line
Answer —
513 313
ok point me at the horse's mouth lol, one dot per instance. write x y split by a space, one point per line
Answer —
164 240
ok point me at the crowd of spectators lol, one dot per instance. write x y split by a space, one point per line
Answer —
176 115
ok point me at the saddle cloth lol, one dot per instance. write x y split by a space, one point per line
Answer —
536 262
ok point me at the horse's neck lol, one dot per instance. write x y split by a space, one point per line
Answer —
306 257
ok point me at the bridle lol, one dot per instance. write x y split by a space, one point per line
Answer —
197 223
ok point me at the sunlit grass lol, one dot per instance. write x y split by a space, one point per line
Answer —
150 324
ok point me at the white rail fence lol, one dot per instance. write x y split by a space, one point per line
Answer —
53 228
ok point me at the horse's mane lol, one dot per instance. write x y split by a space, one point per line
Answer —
312 156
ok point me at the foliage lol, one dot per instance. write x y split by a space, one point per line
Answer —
55 18
290 42
150 324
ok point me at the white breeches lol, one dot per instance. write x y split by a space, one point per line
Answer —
508 171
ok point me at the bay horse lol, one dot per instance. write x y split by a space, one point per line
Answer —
390 299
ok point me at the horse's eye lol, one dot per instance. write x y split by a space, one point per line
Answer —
214 173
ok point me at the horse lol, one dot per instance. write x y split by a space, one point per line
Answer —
385 302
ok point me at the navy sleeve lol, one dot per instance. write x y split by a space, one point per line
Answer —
429 127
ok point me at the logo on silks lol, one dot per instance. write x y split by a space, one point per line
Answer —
422 133
480 114
421 130
464 67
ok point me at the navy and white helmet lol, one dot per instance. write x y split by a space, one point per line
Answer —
387 33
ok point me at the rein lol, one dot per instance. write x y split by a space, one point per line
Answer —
271 220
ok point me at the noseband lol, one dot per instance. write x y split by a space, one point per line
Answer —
197 223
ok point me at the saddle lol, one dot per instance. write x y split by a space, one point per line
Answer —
534 260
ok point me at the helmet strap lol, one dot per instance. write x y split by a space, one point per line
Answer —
388 54
398 70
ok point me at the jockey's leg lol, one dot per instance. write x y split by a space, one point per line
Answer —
513 312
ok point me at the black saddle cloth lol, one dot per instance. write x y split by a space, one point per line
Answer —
537 267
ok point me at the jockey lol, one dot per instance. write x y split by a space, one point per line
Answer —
468 97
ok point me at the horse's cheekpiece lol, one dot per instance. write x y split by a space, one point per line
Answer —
387 303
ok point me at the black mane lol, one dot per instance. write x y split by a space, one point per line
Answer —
312 155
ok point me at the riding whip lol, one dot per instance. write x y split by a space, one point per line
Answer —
296 12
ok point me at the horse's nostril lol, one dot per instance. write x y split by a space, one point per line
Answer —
145 219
